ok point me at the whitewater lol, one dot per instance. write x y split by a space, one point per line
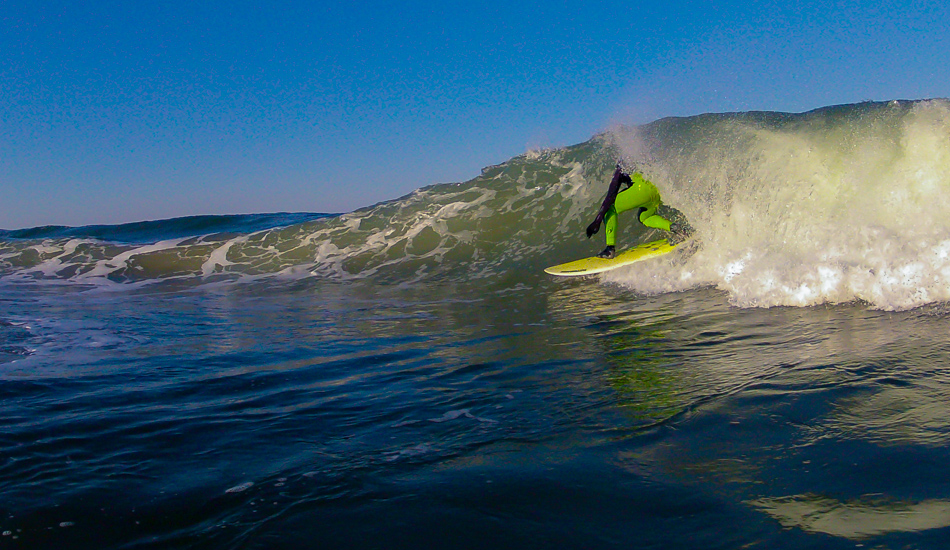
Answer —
405 375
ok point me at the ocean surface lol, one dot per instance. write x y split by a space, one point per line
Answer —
406 376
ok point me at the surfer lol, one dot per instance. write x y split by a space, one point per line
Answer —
638 194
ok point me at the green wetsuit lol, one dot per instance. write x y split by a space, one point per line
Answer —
641 195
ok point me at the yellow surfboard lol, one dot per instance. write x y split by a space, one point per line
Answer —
590 266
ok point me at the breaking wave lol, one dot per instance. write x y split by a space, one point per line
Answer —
839 204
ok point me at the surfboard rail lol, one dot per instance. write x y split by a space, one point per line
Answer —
594 265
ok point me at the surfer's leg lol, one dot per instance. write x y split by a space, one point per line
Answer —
649 218
678 232
645 201
610 225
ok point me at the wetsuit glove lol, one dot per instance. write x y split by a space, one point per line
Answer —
593 227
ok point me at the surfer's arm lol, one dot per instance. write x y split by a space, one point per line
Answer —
612 191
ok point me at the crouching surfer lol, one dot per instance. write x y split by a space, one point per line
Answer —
640 195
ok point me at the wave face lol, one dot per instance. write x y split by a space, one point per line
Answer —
835 205
505 222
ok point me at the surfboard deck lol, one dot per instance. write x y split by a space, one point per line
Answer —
590 266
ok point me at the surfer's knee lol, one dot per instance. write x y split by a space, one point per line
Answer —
640 215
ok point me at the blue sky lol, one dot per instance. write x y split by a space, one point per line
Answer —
115 111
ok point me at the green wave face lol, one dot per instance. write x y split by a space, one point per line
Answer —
511 217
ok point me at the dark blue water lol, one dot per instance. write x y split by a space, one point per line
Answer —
571 415
152 231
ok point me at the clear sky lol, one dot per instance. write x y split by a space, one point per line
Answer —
114 111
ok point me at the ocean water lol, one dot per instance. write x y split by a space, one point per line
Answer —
406 376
